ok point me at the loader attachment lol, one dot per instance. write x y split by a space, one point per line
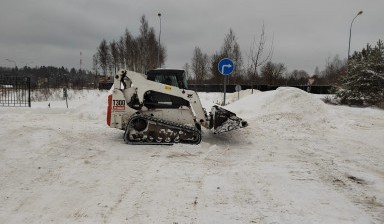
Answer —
223 120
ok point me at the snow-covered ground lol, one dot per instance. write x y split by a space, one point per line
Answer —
298 161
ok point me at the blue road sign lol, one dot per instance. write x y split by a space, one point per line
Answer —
226 66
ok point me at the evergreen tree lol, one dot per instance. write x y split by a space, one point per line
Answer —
364 82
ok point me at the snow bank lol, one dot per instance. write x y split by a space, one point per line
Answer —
210 99
284 100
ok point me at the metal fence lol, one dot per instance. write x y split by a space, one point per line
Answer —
324 89
15 91
231 88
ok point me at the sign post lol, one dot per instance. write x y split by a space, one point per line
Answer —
238 89
65 93
226 67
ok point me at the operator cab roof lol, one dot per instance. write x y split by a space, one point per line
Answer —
173 77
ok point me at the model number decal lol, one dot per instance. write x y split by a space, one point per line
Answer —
119 104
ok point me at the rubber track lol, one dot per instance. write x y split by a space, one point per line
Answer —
166 125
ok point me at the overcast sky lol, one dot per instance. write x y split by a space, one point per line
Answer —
306 33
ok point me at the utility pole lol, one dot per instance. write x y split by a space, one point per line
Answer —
158 51
81 60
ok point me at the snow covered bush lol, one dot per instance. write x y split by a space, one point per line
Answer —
330 99
364 82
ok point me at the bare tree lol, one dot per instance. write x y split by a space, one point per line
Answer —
121 53
143 47
258 55
153 49
95 68
114 60
136 54
271 72
216 76
131 52
95 63
148 47
102 55
231 49
298 77
334 69
200 64
187 69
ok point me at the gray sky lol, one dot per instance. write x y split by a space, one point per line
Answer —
306 33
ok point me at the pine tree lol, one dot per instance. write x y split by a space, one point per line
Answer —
364 81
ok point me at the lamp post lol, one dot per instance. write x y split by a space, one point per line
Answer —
158 51
350 32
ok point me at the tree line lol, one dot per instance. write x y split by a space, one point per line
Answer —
358 80
144 52
257 67
46 77
139 54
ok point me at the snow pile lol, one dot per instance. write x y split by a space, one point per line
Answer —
288 108
283 100
210 99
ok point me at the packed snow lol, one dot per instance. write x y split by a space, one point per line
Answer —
299 161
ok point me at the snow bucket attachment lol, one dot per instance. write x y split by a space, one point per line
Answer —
223 120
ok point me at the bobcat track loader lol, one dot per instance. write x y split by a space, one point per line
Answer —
157 108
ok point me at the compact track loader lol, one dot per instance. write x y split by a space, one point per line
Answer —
157 108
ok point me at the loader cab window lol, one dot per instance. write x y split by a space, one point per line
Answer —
184 81
165 79
168 77
170 80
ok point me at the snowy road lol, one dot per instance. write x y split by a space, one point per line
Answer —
299 161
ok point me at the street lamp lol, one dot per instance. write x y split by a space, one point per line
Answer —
158 51
350 32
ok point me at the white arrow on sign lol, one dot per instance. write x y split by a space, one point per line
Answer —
225 66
